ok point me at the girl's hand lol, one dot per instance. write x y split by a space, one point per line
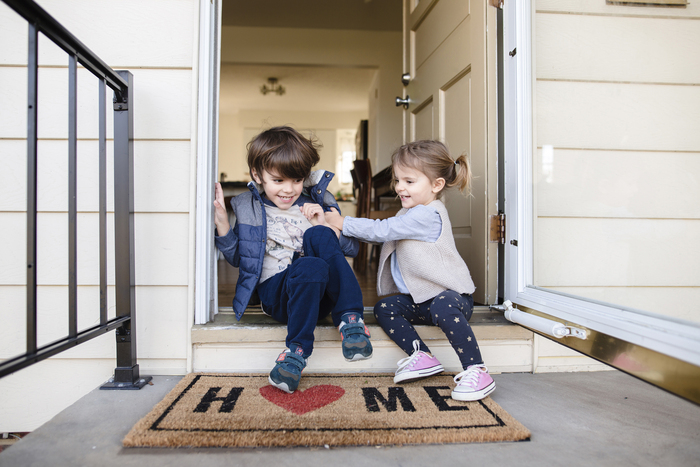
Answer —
334 219
314 213
220 214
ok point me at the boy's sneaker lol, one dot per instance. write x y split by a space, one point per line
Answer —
355 338
419 365
473 384
287 371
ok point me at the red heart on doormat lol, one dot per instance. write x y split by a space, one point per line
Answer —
301 402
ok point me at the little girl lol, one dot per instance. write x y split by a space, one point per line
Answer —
419 261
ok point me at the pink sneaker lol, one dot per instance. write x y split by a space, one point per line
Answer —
473 384
418 365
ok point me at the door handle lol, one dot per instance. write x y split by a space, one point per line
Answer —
403 102
405 79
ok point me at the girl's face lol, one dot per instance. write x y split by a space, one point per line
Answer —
414 187
283 192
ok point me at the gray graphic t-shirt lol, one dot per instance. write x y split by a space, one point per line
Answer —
285 233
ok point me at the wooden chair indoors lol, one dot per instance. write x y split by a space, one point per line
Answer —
366 207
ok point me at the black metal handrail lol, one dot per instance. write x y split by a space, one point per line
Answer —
126 374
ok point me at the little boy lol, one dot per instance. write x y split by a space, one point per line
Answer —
284 249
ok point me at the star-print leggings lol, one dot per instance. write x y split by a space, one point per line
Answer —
449 310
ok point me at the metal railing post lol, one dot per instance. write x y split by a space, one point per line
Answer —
32 102
72 196
126 374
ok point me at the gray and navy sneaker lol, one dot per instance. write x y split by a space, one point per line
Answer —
287 371
355 338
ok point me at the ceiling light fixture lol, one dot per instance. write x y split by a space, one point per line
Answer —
273 87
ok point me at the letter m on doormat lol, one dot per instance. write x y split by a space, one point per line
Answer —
373 397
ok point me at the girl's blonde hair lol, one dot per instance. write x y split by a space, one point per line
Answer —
432 158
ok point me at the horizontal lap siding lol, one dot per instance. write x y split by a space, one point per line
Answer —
124 34
617 105
618 116
627 184
155 40
161 170
617 252
158 307
161 103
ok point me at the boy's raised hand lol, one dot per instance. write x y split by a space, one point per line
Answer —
334 219
314 213
220 214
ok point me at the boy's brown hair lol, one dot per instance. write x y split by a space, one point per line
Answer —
285 151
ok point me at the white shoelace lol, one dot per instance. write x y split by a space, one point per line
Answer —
470 376
404 362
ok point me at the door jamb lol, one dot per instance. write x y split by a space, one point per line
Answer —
205 280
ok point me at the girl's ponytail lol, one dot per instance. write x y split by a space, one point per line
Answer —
462 175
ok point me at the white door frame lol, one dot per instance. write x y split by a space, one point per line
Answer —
205 280
676 338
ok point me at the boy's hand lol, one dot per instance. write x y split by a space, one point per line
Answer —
334 219
314 213
220 214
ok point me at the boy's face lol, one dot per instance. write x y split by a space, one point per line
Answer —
283 192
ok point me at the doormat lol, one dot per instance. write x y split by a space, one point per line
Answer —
243 410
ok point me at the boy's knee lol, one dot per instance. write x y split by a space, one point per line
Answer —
308 269
319 235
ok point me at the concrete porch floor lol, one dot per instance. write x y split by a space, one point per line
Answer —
576 419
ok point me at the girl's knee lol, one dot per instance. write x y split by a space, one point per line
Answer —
445 311
382 309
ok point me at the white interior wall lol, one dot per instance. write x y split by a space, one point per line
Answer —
239 128
314 47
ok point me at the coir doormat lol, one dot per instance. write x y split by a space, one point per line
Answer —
243 410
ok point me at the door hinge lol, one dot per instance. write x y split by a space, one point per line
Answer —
498 229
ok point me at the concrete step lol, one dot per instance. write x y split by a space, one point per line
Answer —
252 345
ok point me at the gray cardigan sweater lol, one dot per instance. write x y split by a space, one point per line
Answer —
427 267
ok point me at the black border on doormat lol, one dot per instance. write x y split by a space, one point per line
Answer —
150 433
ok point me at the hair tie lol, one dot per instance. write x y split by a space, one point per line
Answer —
455 161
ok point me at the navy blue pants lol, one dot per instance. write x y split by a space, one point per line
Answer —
315 285
449 310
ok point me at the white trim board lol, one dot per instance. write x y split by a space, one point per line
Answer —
206 299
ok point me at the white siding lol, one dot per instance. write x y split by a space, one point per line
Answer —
617 105
155 40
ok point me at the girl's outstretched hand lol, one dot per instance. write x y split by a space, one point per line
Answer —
334 219
220 214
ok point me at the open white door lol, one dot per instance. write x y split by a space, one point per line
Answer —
449 54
